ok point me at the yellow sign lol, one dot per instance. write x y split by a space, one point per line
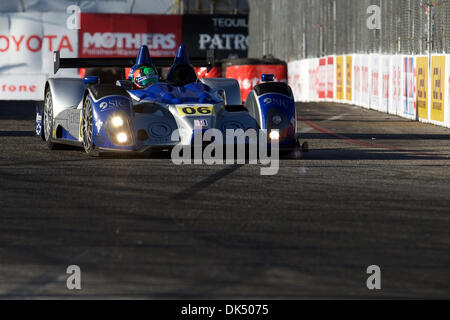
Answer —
422 87
438 88
195 110
349 78
339 78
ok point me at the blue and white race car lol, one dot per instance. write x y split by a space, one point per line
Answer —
118 117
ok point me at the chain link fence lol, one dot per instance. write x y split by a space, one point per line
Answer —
298 29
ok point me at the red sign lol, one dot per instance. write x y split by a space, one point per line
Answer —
250 75
121 35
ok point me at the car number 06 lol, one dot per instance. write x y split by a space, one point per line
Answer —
193 111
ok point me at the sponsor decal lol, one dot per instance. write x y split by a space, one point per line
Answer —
38 124
99 125
200 124
114 103
279 101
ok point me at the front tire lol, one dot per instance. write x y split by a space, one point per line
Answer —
88 127
48 121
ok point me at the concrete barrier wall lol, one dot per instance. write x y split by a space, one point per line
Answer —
408 86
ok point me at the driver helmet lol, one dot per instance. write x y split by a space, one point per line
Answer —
144 76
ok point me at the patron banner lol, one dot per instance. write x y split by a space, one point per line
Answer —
226 34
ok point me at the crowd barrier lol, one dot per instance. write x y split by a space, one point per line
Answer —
407 86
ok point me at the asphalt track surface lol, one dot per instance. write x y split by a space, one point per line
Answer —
374 190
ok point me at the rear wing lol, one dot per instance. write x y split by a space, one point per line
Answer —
66 63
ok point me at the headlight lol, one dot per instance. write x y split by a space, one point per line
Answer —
117 121
119 129
122 137
274 135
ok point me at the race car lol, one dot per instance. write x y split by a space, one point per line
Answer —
142 112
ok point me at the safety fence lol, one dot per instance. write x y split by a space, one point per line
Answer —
408 86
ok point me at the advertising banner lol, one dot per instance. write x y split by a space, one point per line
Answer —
121 35
294 79
422 87
385 75
322 78
21 87
226 34
357 79
409 92
27 42
249 76
395 104
375 96
365 81
330 78
437 88
340 78
447 107
304 80
349 78
313 72
299 80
